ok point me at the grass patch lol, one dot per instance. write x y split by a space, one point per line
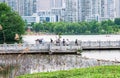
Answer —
92 72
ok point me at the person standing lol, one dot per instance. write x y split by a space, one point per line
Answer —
76 42
51 40
63 42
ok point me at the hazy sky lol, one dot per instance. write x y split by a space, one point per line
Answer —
43 5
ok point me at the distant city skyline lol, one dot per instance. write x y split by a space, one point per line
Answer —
67 10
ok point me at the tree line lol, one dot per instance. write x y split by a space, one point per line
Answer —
93 27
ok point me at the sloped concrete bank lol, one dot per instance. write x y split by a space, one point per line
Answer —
28 63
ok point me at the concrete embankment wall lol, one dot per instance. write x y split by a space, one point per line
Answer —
31 63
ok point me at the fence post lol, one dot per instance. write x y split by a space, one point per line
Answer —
70 46
109 43
119 43
99 43
5 46
89 42
15 45
49 46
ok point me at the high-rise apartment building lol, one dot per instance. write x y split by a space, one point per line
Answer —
108 10
117 8
23 7
57 8
82 10
29 7
95 9
56 3
85 10
54 7
26 7
111 8
71 11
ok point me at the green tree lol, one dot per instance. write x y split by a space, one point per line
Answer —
37 27
59 27
95 29
11 23
117 21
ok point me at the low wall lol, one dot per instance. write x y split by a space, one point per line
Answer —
31 63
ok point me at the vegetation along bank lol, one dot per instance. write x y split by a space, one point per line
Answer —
93 72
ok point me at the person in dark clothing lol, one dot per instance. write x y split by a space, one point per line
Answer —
76 42
51 41
40 41
63 42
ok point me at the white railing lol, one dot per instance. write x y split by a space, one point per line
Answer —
101 44
51 46
44 47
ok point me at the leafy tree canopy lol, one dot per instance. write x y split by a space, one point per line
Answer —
12 25
117 21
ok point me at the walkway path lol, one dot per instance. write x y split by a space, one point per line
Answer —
50 48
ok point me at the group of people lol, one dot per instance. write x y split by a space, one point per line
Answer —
58 42
63 42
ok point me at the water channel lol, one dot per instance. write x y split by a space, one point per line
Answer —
111 55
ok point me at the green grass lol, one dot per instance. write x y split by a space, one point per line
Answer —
92 72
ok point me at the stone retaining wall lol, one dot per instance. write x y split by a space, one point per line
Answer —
28 63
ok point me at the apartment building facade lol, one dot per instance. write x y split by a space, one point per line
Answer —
71 11
117 8
23 7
